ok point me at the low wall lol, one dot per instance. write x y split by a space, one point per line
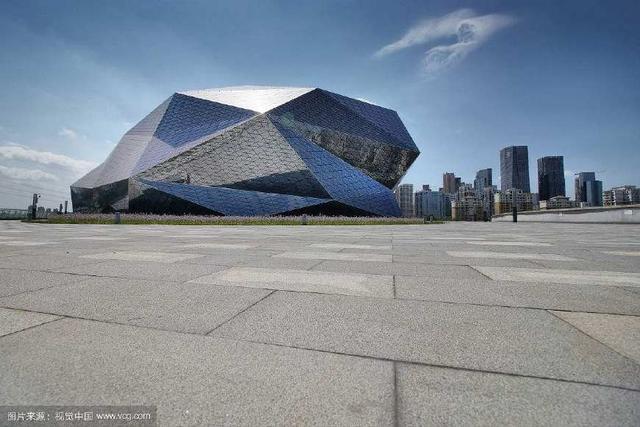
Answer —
603 215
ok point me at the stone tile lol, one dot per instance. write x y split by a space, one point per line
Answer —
441 258
43 262
349 246
603 299
172 272
517 341
17 320
336 256
398 267
440 396
623 253
187 307
303 281
18 281
504 243
193 380
239 246
23 243
574 277
165 257
621 333
97 238
509 255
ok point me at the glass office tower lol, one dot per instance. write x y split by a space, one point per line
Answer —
514 168
551 177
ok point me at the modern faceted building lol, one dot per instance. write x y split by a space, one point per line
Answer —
254 151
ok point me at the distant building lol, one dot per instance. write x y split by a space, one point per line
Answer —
404 197
557 202
505 200
450 183
483 180
434 204
468 205
514 168
535 201
593 193
551 177
623 195
588 190
488 195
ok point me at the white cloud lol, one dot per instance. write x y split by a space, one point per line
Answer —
26 174
18 152
69 133
427 30
469 29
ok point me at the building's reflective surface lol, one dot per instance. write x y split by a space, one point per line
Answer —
254 151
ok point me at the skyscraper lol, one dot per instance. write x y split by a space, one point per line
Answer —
551 177
404 197
588 190
449 183
514 168
483 179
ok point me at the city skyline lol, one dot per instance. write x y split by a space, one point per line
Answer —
573 92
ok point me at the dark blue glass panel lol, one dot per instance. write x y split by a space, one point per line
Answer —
185 121
235 202
342 181
383 118
318 108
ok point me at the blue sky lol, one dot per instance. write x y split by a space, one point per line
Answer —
559 76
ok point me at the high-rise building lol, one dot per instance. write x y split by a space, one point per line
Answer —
593 191
624 195
434 204
483 180
488 194
588 190
450 183
468 205
551 177
514 168
579 190
404 197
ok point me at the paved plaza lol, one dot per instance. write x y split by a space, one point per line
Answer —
459 323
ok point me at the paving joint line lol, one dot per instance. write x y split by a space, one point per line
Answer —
315 265
241 312
480 272
396 397
394 286
635 362
30 327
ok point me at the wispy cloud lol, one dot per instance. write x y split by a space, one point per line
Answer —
69 134
469 29
19 152
26 174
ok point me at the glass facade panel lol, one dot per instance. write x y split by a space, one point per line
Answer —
310 151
